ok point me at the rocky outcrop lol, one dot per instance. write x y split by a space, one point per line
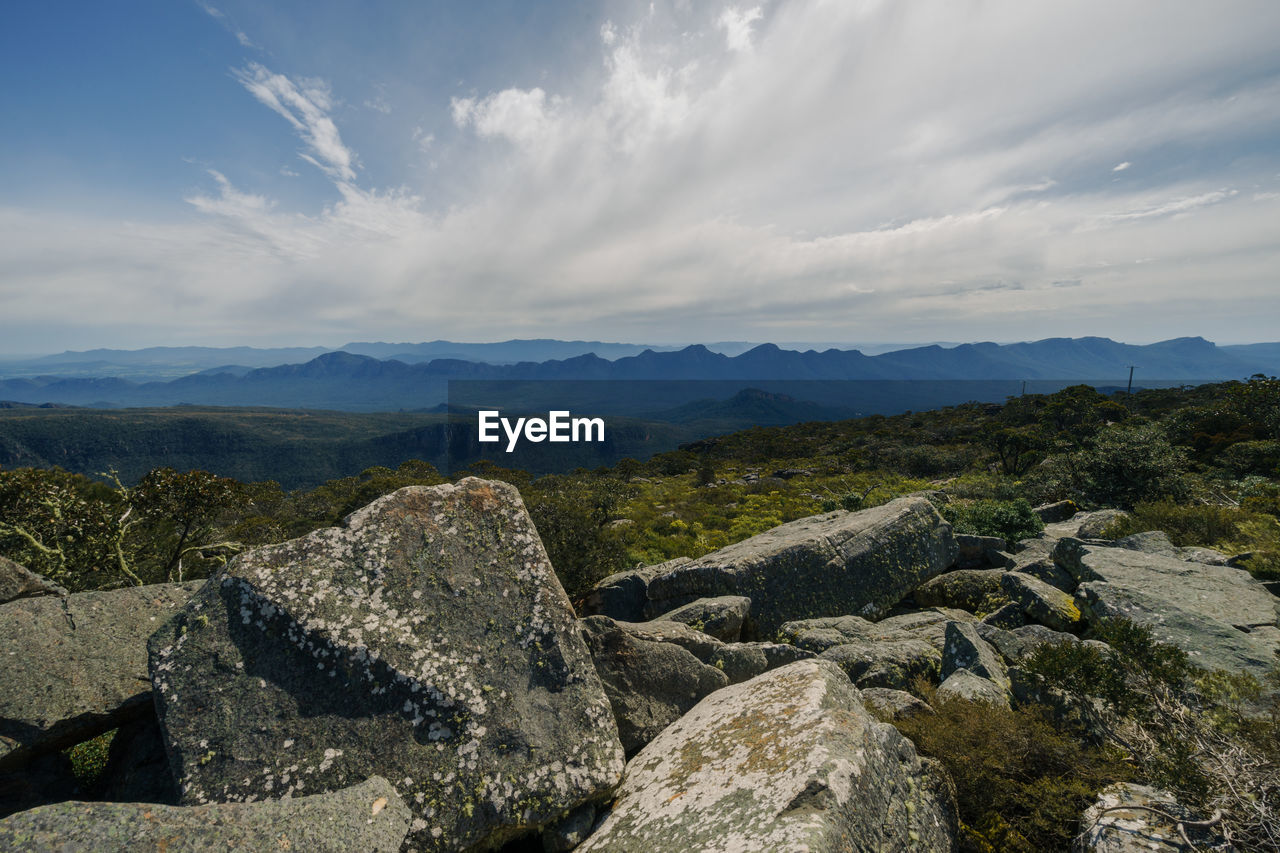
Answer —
76 666
17 581
861 563
1130 818
721 617
426 641
790 760
1220 592
367 817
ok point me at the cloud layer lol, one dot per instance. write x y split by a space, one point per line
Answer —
821 170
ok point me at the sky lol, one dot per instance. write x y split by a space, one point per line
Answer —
230 172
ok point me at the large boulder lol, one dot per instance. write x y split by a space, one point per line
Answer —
968 686
1129 818
426 641
827 565
895 664
650 683
17 581
76 666
790 760
1222 593
821 634
366 817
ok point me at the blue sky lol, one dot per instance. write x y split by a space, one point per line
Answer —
315 172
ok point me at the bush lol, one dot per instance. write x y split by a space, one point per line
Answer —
1021 781
1010 520
1121 466
1190 524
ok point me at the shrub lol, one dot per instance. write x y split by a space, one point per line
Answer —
1121 466
1185 524
1010 520
1022 782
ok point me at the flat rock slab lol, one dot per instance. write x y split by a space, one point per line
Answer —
788 761
17 581
1121 822
1222 593
76 666
427 641
821 634
1209 643
861 563
366 817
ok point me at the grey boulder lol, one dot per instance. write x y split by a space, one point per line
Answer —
1222 593
426 641
368 817
838 563
624 596
722 617
967 589
790 760
76 666
650 683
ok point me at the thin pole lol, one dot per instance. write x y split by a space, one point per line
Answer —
1130 388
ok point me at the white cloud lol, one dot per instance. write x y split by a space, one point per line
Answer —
305 105
864 170
523 116
1122 166
736 24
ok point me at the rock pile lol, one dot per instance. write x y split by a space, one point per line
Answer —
416 679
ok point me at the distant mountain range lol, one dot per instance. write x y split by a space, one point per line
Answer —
370 381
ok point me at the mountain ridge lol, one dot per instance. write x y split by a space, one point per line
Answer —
358 382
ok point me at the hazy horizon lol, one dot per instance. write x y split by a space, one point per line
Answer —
230 173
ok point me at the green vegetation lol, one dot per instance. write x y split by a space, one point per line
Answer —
1010 520
1022 780
1195 462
